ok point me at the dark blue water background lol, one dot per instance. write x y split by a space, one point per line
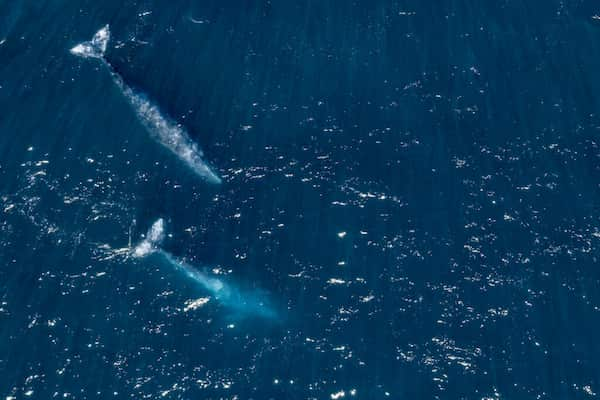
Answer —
413 186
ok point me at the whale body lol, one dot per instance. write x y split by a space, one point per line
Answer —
164 130
243 302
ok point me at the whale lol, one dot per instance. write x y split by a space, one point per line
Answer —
243 302
162 128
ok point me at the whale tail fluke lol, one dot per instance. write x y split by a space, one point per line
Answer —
94 48
152 240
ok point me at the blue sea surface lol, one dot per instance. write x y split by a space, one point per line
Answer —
409 205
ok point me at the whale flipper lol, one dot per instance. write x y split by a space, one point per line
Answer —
94 48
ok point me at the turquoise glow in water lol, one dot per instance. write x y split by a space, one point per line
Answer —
407 207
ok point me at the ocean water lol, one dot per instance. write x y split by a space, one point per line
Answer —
408 206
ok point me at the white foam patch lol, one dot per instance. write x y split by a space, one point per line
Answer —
195 304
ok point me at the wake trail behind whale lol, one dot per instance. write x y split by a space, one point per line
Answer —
167 132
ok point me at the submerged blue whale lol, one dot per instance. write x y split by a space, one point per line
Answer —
163 129
242 302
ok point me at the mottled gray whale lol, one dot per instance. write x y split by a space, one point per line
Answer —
162 128
242 302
